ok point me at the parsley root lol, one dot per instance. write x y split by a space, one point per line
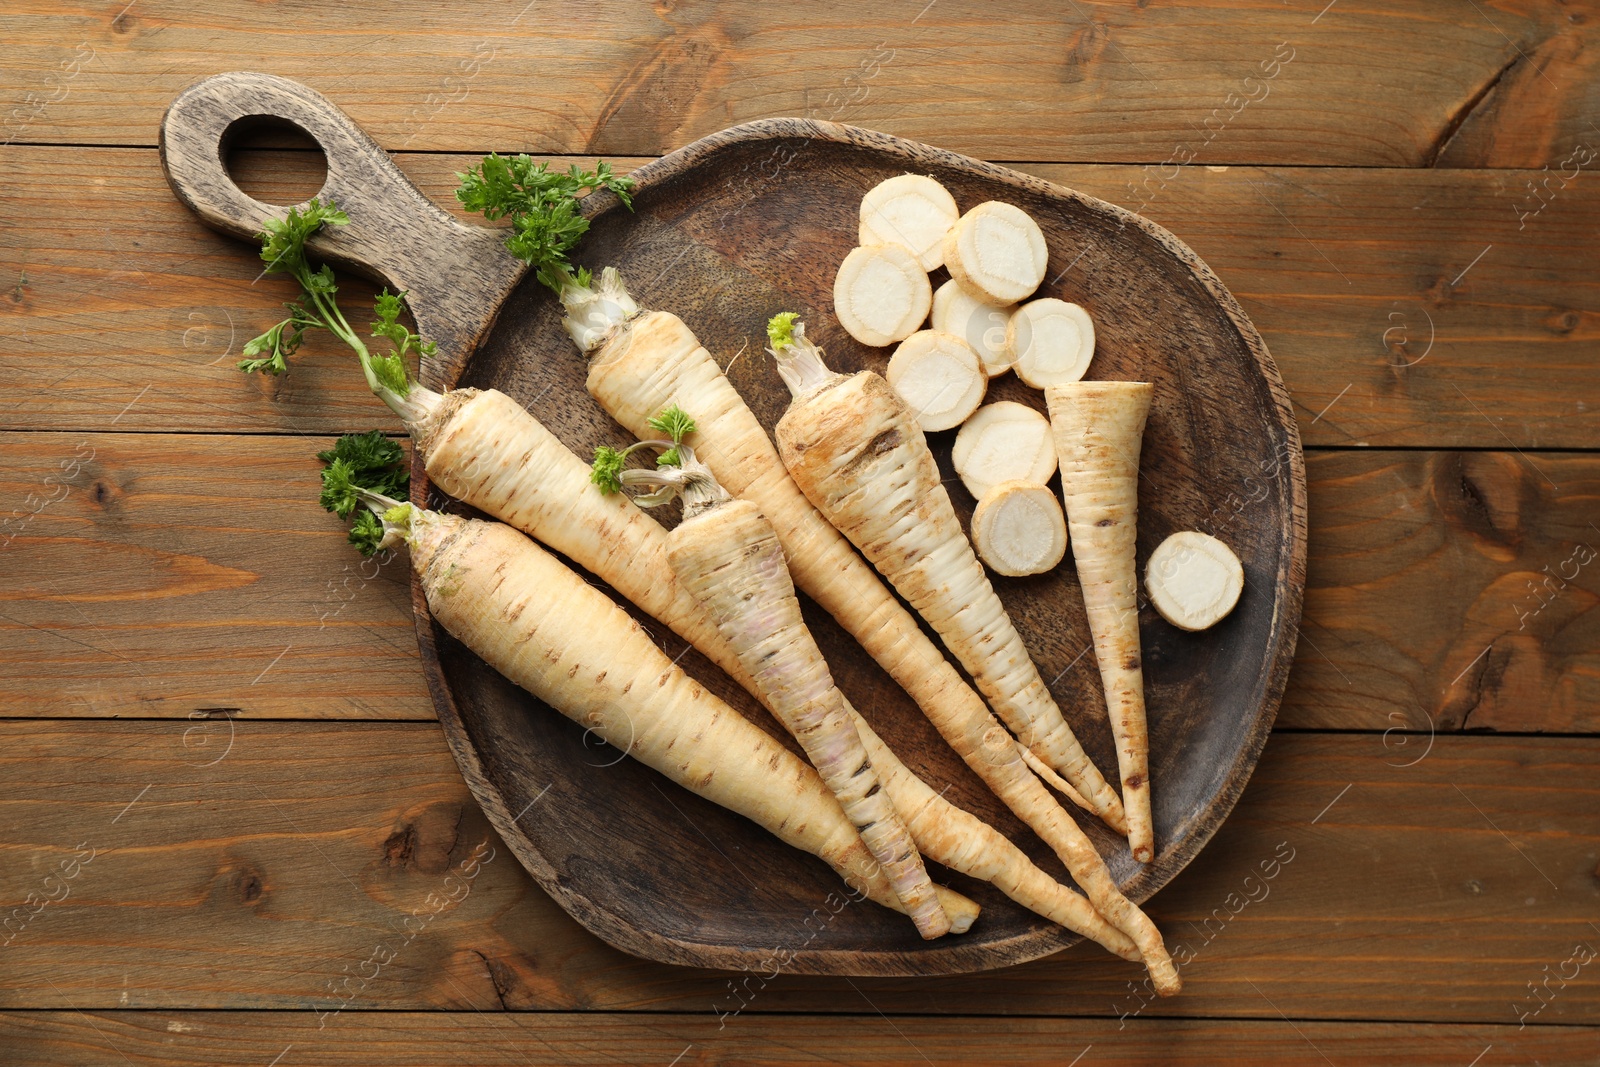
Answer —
1098 429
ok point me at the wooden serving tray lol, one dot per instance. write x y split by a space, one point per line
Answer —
724 233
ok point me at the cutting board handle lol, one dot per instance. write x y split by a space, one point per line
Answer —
456 276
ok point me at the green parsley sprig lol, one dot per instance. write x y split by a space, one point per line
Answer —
357 464
607 470
780 329
283 249
542 205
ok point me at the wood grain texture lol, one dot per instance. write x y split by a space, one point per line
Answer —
589 1039
101 297
393 233
1451 591
1420 83
155 574
269 875
1418 563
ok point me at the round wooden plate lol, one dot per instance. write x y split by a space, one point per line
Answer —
724 233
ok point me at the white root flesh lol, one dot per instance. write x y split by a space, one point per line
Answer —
1004 442
911 210
1051 342
1018 529
939 376
881 294
1194 580
983 326
996 252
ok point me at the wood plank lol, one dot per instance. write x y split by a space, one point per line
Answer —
580 1039
157 574
1404 308
281 869
1450 591
1510 85
174 573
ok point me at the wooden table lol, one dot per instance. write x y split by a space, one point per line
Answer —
216 731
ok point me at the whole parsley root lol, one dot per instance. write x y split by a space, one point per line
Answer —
542 626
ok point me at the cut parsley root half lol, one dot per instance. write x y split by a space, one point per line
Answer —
881 294
1004 441
1050 341
983 326
996 252
1193 580
1018 529
939 377
911 210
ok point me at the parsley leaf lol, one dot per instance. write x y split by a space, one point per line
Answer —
366 533
780 330
283 250
390 370
542 205
607 469
675 423
366 461
283 246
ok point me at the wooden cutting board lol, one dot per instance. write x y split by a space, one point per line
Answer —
724 233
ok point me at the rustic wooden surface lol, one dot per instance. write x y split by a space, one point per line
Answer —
589 1039
1389 355
1374 219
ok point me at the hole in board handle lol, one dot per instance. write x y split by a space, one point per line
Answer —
273 160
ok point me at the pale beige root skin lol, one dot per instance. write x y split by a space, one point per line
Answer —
881 294
1051 342
1018 529
486 450
1194 580
728 556
964 842
657 362
996 252
912 210
996 758
1003 442
983 326
536 622
1099 427
856 452
939 376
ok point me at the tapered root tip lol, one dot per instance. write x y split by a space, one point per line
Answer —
1164 976
962 911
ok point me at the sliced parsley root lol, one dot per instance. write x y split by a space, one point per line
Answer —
546 629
